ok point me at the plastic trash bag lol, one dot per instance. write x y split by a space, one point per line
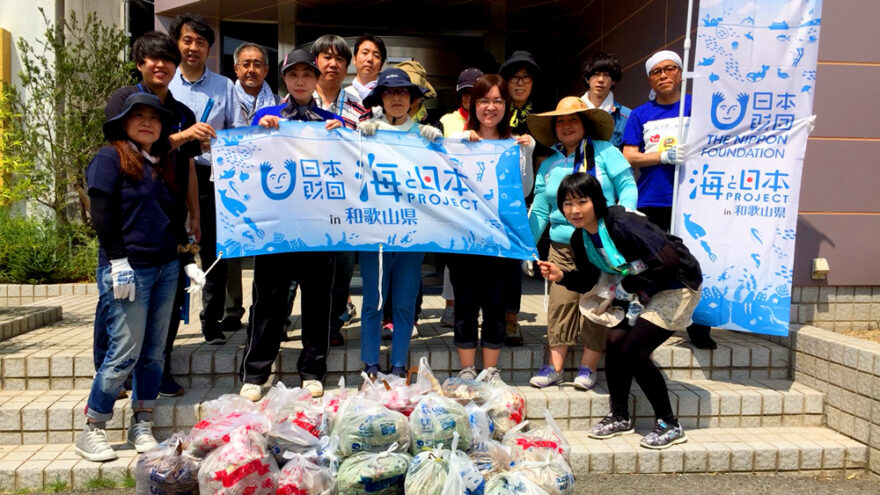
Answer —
426 382
212 433
426 474
491 458
482 427
369 473
243 466
553 475
227 404
506 407
539 444
364 425
282 403
290 437
463 477
513 483
168 469
435 420
331 402
303 475
463 390
391 391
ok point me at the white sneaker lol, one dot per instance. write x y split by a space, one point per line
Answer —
92 445
468 373
314 386
140 435
415 331
251 391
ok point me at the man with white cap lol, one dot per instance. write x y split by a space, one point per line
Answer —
650 144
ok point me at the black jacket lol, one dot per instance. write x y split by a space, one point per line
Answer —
669 262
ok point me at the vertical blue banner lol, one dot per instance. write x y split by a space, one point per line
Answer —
738 196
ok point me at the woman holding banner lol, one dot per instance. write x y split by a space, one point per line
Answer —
579 137
478 282
622 256
399 273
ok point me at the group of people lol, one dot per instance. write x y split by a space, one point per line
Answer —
602 232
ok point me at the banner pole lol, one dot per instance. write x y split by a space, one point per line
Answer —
684 78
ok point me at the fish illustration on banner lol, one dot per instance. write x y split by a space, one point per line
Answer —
739 188
302 188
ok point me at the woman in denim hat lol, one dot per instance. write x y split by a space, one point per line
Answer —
137 207
401 271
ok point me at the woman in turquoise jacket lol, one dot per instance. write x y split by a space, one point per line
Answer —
579 136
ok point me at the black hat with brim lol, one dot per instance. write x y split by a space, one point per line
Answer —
392 78
299 56
113 127
518 59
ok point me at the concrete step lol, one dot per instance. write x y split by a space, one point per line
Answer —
801 450
806 450
18 321
59 356
55 416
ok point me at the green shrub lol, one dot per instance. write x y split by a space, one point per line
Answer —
42 251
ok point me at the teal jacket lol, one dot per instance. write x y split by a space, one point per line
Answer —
613 172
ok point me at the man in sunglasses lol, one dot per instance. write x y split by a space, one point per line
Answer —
650 144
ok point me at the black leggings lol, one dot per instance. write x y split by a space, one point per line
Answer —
628 356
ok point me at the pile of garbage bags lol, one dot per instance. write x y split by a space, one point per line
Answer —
391 437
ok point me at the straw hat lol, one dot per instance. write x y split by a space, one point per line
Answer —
598 310
601 124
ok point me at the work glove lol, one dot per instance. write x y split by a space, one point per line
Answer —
196 276
430 133
368 128
674 155
122 277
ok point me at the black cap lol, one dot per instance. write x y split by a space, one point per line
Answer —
299 56
113 126
468 78
392 78
518 59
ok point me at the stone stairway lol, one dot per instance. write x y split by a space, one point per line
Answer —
741 410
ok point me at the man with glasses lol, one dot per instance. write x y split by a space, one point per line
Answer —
650 144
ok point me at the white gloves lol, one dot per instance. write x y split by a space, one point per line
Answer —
196 276
368 128
674 155
430 133
122 277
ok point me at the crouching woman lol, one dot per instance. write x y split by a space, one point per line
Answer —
653 268
137 207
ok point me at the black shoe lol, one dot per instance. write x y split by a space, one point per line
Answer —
213 335
230 324
398 371
336 339
700 338
170 388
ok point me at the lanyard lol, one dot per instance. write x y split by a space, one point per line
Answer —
584 162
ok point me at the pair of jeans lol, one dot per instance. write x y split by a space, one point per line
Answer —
136 332
401 278
99 333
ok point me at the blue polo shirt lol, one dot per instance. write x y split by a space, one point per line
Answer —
654 128
147 210
224 114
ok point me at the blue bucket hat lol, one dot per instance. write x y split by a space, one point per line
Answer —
392 78
112 127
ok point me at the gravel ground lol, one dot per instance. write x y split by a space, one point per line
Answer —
727 484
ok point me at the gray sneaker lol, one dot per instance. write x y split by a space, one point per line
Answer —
546 376
468 373
664 435
586 378
611 426
140 435
92 445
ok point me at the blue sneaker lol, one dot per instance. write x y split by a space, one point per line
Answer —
546 376
585 379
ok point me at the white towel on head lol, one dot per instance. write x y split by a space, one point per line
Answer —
659 57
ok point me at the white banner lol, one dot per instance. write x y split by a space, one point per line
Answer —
738 192
301 188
